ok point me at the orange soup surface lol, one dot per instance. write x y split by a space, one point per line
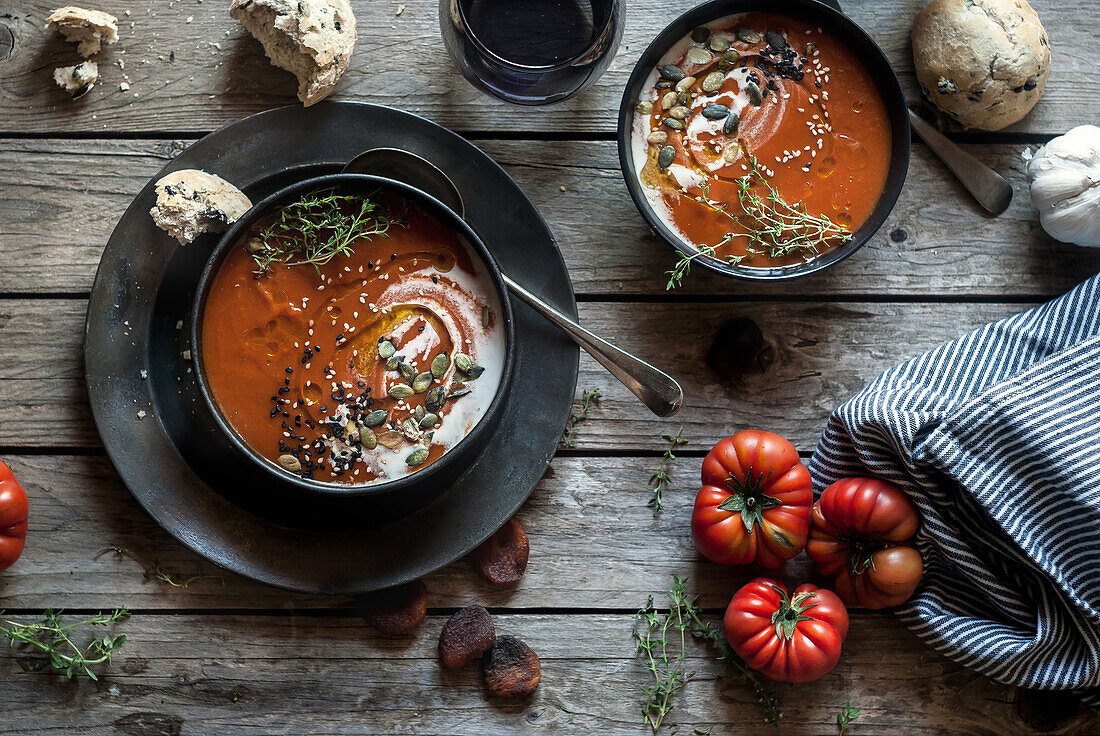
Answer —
762 140
360 369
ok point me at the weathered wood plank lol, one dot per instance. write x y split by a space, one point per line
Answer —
329 675
59 201
191 67
812 357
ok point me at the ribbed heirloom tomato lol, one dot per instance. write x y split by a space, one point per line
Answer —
13 518
754 505
794 638
859 534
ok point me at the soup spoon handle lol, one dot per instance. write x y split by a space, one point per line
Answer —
657 390
991 189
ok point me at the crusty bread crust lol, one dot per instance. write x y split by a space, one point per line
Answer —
983 62
312 39
88 28
191 202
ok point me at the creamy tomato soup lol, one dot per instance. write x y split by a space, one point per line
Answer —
762 141
351 339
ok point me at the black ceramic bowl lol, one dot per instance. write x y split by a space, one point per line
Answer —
844 30
331 499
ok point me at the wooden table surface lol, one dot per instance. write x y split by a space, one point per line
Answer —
246 659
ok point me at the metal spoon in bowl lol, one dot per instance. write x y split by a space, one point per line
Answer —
991 189
655 388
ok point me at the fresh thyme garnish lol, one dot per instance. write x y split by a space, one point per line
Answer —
660 479
664 657
773 226
54 639
845 717
153 570
569 434
318 227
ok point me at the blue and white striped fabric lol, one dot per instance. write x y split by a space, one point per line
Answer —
996 438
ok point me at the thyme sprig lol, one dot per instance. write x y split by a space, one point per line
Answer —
772 225
845 717
589 398
662 645
153 570
55 639
319 226
660 479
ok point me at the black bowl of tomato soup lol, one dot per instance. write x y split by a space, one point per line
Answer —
352 341
763 139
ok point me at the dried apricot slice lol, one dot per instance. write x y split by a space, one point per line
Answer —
511 668
395 611
502 558
466 636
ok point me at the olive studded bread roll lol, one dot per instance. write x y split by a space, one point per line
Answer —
88 28
983 62
77 80
191 202
312 39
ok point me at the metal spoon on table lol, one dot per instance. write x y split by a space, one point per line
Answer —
991 189
654 387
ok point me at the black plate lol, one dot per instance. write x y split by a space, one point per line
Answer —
827 15
146 404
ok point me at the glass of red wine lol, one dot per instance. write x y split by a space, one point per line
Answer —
531 52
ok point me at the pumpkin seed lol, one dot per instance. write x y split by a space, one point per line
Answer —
700 34
386 349
474 373
663 84
748 35
440 364
658 137
685 84
375 418
666 157
391 438
427 438
671 72
755 96
254 246
368 439
419 413
407 371
645 107
713 81
486 315
719 44
683 97
460 391
393 362
428 421
433 402
668 100
673 123
731 56
411 429
417 457
732 152
422 382
350 428
463 362
775 40
699 56
680 112
811 48
730 125
715 112
290 462
401 391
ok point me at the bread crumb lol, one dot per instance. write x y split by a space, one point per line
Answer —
400 9
124 87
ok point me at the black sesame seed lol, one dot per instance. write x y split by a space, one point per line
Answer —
289 369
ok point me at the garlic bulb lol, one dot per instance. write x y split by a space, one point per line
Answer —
1065 186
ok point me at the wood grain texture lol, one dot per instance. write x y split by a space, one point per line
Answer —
60 200
238 674
191 67
802 359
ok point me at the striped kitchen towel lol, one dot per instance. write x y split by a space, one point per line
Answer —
996 438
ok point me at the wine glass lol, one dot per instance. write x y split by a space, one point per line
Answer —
531 52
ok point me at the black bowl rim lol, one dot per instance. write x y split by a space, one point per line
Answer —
799 10
435 208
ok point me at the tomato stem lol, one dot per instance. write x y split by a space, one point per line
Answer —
749 499
790 612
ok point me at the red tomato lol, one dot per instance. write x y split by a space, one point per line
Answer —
859 529
13 518
754 505
791 639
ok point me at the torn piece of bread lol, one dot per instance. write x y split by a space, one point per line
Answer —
77 80
88 28
191 202
312 39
